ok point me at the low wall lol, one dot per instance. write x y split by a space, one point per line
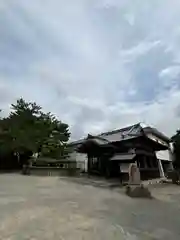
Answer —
52 171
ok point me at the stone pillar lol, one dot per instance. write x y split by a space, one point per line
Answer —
86 164
89 164
161 170
134 175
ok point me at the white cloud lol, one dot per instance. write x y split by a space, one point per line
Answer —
170 72
140 49
130 18
4 5
90 62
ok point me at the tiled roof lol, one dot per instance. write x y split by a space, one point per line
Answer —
77 142
98 139
115 135
123 134
125 129
126 133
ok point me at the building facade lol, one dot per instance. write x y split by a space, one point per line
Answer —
110 153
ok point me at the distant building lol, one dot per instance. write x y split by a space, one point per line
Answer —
80 158
110 153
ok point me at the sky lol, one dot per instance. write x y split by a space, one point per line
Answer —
98 65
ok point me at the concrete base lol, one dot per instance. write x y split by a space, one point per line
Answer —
138 191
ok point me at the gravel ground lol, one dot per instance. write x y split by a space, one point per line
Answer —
71 208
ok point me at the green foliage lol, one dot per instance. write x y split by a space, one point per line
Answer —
176 140
28 129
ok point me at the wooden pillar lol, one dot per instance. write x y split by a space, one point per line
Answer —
86 163
161 170
89 164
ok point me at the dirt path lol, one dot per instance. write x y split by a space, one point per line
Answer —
54 208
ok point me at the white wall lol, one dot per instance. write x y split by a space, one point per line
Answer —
81 159
164 155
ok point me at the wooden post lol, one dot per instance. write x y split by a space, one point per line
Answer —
161 170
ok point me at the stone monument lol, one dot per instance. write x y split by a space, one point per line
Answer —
134 175
135 187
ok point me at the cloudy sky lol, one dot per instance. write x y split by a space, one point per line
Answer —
97 64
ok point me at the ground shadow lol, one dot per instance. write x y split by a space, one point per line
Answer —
98 182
